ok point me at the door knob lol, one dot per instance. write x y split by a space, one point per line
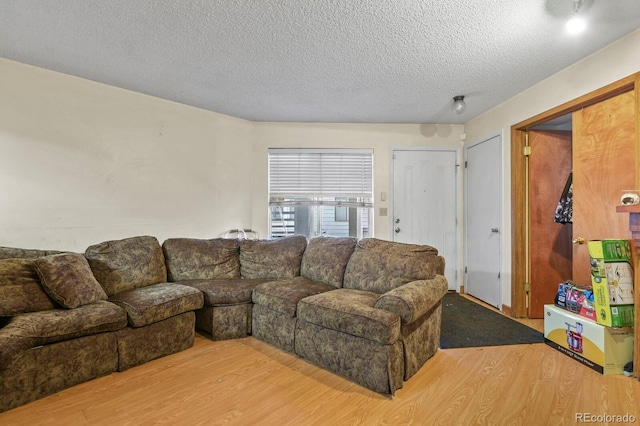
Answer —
397 229
579 240
397 220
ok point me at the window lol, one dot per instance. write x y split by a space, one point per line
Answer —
316 192
341 214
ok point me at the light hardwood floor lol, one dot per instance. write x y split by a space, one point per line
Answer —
247 382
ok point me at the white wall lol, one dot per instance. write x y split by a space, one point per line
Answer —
610 64
380 137
82 162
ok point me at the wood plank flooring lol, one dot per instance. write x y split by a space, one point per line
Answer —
247 382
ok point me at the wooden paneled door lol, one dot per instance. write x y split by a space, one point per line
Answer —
550 250
603 166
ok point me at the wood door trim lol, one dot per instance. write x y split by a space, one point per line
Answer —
624 85
519 217
637 89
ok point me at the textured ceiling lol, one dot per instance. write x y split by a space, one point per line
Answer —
371 61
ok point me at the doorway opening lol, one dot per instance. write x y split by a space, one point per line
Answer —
522 238
550 209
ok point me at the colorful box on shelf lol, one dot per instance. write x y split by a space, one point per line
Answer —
604 349
576 298
612 282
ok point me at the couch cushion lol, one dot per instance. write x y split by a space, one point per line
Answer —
379 266
224 292
325 259
153 303
283 296
20 288
19 253
122 265
272 259
40 328
67 279
352 312
192 259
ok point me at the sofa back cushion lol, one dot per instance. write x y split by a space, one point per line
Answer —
272 259
19 253
379 266
325 259
67 279
121 265
192 259
20 288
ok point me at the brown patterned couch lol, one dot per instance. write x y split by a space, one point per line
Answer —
226 272
44 346
368 310
67 318
160 314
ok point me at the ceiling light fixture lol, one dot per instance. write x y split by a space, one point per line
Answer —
459 105
576 23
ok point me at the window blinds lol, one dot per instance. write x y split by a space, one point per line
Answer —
320 176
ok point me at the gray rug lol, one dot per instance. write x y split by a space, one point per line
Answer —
468 324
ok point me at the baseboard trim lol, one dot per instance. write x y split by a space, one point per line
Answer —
506 309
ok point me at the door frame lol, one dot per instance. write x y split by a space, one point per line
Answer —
458 186
500 218
519 178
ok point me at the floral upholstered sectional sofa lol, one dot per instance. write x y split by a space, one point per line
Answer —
369 310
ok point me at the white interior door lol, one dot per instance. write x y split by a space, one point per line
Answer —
483 189
424 202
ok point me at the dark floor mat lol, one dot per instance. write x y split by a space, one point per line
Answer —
469 324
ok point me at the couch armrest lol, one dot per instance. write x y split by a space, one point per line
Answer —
412 300
13 341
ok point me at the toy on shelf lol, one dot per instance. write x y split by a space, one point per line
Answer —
576 298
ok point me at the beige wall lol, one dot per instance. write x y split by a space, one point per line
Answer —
83 162
380 137
610 64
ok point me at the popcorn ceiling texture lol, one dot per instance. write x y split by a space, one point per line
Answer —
352 61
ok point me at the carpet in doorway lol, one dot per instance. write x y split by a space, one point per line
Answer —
469 324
